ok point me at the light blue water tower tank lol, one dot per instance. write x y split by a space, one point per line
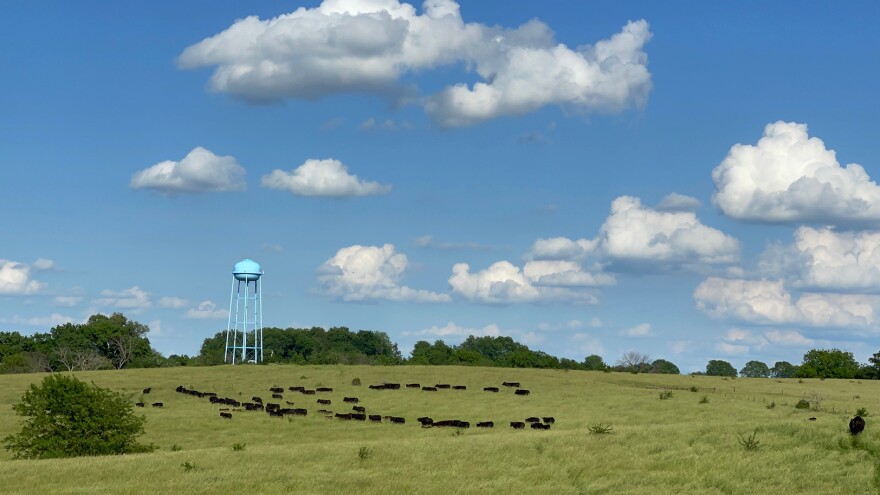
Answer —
244 333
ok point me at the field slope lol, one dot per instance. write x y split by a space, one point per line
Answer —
675 445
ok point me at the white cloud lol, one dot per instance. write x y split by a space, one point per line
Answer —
538 281
207 310
52 320
134 299
428 242
15 278
678 202
732 349
586 344
322 178
791 177
767 302
199 171
43 264
562 248
366 46
172 302
681 346
738 341
458 332
66 301
640 330
363 273
636 233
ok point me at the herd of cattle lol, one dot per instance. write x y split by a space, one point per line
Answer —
357 413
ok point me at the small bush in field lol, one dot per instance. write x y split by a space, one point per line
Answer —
862 411
236 447
750 442
356 382
771 405
666 394
802 404
704 399
365 453
600 429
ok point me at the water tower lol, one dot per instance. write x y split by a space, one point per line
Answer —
244 333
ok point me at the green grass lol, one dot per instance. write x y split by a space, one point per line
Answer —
655 447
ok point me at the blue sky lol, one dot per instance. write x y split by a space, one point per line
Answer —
585 178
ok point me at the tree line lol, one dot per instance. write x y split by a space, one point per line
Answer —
115 342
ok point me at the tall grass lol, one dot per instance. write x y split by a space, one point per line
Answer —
657 447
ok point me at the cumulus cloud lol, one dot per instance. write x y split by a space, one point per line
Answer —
15 278
207 310
791 177
738 341
365 273
640 330
67 301
678 202
823 259
52 320
537 281
133 298
767 302
562 248
457 332
199 171
322 178
44 264
366 46
172 302
586 344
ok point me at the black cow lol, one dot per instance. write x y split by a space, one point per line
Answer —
257 400
325 402
486 424
308 392
276 390
533 419
517 425
442 385
397 420
459 387
324 411
159 404
226 415
539 426
429 389
147 390
856 425
490 389
346 416
549 420
324 389
140 404
277 396
376 418
359 416
272 406
300 412
413 385
425 421
510 384
353 400
521 391
360 409
296 389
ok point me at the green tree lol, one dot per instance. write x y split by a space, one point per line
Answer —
66 417
755 369
783 369
594 362
717 367
664 367
828 363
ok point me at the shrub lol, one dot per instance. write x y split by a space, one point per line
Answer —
862 411
67 417
750 442
236 447
600 429
176 448
771 405
666 394
365 453
188 466
802 404
694 388
704 399
356 382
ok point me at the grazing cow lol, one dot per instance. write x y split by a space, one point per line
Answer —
224 408
517 425
392 386
275 413
276 390
359 416
486 424
324 411
226 415
296 389
140 404
272 406
459 387
353 400
521 391
397 420
490 389
346 416
510 384
442 385
289 403
429 389
533 419
811 419
249 406
856 425
257 400
308 392
300 412
159 404
549 420
324 402
324 389
277 396
360 409
148 389
376 418
413 385
425 421
539 426
377 387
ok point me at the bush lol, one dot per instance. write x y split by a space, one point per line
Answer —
862 411
67 417
600 429
704 399
802 404
356 382
666 394
750 442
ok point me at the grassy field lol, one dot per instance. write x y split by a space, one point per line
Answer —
675 445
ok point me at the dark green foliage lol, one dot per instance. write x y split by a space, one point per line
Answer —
66 417
664 367
802 404
704 399
600 429
862 411
236 447
666 394
755 369
750 442
783 369
825 363
717 367
771 405
365 453
594 363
